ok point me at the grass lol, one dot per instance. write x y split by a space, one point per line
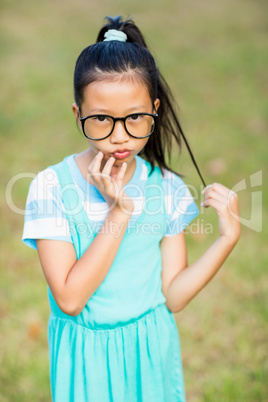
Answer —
214 55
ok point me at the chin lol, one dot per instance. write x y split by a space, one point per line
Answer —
118 162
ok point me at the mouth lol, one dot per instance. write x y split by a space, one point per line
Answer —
121 153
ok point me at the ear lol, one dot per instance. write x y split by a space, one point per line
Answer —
157 104
75 110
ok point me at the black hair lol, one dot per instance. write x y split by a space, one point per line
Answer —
115 57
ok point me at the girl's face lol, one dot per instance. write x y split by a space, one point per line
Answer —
118 98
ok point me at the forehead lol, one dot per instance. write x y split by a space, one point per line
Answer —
130 75
116 91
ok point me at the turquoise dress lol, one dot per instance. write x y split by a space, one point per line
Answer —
124 346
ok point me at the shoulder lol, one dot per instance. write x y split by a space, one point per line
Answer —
48 177
170 180
174 184
145 170
44 216
42 184
179 200
45 185
45 177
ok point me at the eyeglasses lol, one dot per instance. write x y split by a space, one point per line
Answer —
100 126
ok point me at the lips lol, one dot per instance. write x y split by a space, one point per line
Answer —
121 153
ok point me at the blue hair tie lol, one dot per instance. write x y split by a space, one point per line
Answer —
114 34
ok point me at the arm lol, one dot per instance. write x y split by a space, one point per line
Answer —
73 282
182 282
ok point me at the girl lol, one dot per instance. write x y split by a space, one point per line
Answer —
109 229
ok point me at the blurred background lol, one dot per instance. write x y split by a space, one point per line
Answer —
214 56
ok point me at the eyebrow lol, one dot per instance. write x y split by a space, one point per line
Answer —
130 110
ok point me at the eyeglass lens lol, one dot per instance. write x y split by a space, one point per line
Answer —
138 125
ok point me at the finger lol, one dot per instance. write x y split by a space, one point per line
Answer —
108 166
94 169
215 195
233 203
96 163
105 175
217 205
216 187
122 171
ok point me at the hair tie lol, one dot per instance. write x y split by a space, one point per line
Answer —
114 34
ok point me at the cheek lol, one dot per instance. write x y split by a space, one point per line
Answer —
93 148
96 146
144 142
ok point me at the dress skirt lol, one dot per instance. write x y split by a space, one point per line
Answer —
136 362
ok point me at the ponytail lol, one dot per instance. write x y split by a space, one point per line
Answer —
133 33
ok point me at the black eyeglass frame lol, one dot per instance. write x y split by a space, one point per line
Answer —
115 119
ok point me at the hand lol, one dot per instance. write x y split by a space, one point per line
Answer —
225 202
110 187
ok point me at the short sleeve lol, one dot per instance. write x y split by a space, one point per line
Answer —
180 205
44 212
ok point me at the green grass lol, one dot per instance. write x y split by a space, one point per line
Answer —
214 56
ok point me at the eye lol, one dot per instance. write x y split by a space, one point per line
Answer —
135 117
100 118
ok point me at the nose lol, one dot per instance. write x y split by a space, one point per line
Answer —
119 134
